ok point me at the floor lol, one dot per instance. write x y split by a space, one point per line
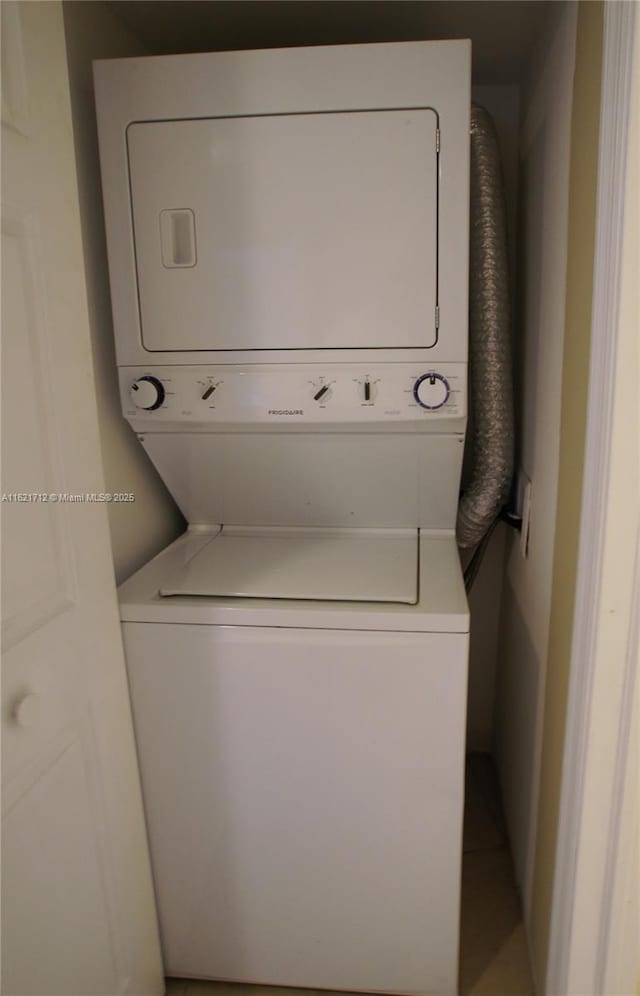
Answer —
493 952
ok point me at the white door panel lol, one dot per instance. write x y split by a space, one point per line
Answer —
77 902
34 588
57 934
271 232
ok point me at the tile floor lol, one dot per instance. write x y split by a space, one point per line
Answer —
493 951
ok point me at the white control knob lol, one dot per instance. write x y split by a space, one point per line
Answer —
431 391
147 393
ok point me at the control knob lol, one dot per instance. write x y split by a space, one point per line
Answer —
147 393
322 392
431 391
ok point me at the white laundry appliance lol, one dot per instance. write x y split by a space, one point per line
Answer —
287 235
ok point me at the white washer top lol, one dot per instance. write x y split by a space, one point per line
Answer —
349 565
441 605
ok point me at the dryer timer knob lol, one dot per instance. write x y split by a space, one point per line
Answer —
431 390
147 393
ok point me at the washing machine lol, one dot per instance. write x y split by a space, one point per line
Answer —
287 235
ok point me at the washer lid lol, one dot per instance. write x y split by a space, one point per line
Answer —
328 564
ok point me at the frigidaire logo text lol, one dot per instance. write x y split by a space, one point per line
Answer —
286 411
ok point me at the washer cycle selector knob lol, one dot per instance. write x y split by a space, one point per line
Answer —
147 393
431 391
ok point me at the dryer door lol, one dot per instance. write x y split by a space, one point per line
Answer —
297 231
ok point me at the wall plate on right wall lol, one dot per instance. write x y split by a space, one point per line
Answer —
524 504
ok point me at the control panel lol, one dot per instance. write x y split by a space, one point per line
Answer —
399 392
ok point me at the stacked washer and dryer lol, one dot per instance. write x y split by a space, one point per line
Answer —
288 249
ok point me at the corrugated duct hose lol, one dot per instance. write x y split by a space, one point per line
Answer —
490 376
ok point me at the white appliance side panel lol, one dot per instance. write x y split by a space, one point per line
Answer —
303 231
304 796
305 479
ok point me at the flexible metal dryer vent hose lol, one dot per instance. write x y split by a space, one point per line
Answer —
490 387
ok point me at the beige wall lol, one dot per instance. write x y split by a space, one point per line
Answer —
575 381
140 529
559 147
538 349
619 590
